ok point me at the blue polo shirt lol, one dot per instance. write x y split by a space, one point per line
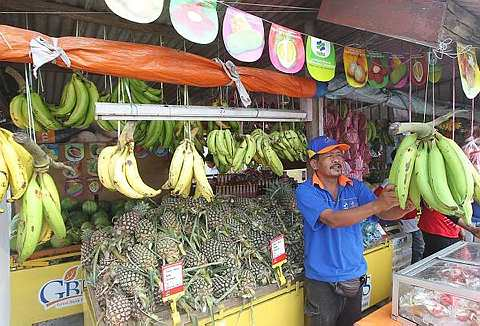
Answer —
332 254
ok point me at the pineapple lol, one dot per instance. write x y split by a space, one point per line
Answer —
106 263
126 224
215 217
201 291
167 248
142 208
100 289
130 280
214 251
99 236
118 309
170 222
171 202
143 258
258 239
86 249
222 285
283 193
261 273
145 232
193 259
246 284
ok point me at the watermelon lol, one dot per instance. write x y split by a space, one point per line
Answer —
69 204
117 206
100 219
75 235
105 205
89 207
86 226
77 218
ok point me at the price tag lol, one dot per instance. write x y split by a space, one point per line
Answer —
172 278
277 249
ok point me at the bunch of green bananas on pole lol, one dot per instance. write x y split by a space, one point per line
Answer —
265 154
289 145
435 169
222 146
186 165
16 166
40 215
118 170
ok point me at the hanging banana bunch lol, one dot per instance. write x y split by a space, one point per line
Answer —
265 154
435 169
118 170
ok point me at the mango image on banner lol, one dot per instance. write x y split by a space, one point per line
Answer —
356 66
321 61
243 35
469 73
195 20
285 47
435 69
378 69
419 70
398 71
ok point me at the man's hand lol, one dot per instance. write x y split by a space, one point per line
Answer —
387 199
475 230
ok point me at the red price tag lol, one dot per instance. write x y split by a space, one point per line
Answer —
172 278
277 249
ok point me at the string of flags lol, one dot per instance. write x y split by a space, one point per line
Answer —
243 36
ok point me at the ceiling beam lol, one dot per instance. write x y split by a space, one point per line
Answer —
460 25
76 13
417 21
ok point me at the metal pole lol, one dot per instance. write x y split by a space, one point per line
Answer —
5 262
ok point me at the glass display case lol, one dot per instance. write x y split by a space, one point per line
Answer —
443 289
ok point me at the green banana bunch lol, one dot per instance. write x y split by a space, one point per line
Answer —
265 154
371 131
435 170
244 153
19 113
222 146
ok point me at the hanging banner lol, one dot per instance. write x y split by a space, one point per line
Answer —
243 35
195 20
286 50
356 66
434 69
138 11
398 71
419 71
469 73
321 60
378 69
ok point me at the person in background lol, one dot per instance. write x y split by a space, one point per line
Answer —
210 168
441 231
333 207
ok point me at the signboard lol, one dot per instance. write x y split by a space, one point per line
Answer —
367 292
277 249
172 279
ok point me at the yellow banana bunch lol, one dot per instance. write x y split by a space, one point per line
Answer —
118 171
435 169
187 164
16 165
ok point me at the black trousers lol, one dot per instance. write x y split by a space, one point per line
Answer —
323 307
435 243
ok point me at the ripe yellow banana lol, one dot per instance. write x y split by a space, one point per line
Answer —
46 232
404 175
51 209
176 165
25 157
251 149
407 141
30 223
16 169
119 177
16 114
103 166
185 180
438 177
134 178
203 187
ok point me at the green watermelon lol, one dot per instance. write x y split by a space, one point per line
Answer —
100 219
86 226
105 205
77 218
75 235
89 207
56 242
69 204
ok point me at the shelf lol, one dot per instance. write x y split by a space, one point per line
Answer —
120 111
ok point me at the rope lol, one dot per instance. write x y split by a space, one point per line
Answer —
473 118
410 89
426 90
453 98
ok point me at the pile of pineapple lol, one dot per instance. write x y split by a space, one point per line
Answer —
224 246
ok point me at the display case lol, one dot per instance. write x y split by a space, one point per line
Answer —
443 289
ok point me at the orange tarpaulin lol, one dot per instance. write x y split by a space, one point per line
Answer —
150 62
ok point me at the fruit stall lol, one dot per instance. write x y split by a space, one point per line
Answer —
145 183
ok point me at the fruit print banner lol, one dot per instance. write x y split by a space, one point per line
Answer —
286 50
356 66
398 71
378 70
243 35
195 20
138 11
321 60
419 71
468 67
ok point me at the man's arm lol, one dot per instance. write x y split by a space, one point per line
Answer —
461 223
396 213
385 204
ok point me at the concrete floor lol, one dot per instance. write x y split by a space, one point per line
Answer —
74 320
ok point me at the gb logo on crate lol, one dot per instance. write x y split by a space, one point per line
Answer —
63 292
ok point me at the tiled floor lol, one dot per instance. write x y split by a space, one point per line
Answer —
75 320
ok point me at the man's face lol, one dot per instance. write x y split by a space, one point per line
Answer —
329 164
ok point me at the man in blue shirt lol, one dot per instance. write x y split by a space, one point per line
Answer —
333 206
